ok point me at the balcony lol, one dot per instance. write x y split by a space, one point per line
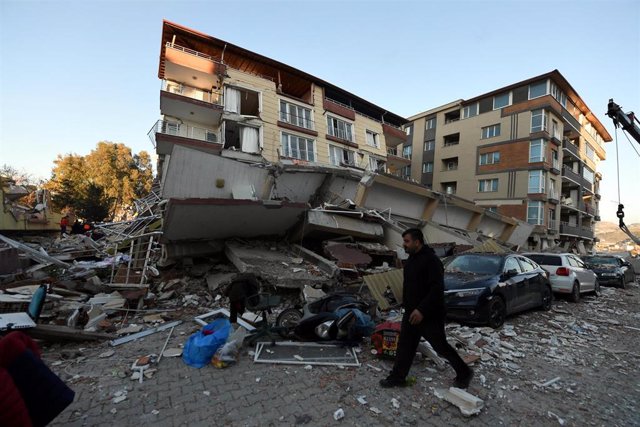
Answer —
165 134
573 178
190 103
553 197
571 148
393 136
182 64
396 160
555 167
576 230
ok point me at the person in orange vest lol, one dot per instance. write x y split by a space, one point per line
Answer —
64 222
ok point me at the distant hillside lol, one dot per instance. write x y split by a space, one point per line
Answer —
609 232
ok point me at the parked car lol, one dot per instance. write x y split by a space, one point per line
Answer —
485 288
611 269
567 273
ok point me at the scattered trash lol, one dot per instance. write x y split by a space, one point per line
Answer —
395 403
467 403
362 400
338 415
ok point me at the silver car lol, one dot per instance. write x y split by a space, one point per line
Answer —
568 274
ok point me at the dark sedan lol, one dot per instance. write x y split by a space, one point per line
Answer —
485 288
611 269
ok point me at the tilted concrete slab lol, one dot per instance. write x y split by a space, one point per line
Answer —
217 219
344 225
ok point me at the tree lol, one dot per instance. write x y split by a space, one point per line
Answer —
104 182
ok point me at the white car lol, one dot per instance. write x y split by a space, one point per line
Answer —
568 274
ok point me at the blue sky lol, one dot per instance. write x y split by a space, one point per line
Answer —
75 73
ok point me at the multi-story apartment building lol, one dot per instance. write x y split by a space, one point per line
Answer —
529 150
221 98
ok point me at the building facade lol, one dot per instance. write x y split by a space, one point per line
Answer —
220 98
529 151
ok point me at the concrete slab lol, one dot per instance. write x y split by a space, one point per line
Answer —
348 224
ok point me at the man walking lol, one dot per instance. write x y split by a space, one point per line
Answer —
424 315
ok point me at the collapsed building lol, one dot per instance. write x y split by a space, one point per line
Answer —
250 147
16 215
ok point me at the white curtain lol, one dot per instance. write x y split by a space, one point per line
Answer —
249 139
232 100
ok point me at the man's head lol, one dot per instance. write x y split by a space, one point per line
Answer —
413 240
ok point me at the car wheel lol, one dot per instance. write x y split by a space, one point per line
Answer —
575 292
497 312
596 289
547 298
287 321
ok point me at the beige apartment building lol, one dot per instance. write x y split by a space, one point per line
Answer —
529 150
220 98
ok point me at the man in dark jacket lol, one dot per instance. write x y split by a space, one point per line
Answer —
424 313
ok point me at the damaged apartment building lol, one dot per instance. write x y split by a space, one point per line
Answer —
529 151
250 147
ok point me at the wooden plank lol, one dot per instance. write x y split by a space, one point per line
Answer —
64 333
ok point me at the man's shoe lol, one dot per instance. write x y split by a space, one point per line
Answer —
393 382
464 381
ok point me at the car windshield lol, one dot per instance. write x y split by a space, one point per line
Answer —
546 259
474 264
596 260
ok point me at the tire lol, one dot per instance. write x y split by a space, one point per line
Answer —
623 283
547 298
575 292
497 312
597 292
287 321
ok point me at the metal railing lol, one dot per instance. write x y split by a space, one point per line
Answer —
553 224
553 195
192 92
571 147
341 133
576 230
362 114
184 131
297 120
192 52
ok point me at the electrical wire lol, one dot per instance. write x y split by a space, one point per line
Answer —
617 165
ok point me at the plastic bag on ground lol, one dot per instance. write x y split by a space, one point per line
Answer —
229 353
201 346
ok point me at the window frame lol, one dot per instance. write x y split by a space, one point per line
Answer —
335 147
543 126
540 189
430 123
330 128
540 209
425 167
543 148
487 185
546 89
298 138
287 113
376 138
509 102
466 110
488 132
432 143
490 156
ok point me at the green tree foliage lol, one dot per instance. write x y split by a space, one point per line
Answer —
102 184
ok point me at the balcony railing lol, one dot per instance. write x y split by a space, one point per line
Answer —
576 230
553 195
341 133
192 92
185 131
569 173
392 152
570 147
553 224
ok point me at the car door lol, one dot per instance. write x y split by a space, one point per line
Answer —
532 286
586 277
513 284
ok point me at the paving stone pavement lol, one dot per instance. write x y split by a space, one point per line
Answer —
603 389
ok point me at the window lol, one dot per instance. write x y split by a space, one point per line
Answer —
587 174
552 189
431 123
452 116
591 153
450 164
430 145
405 172
526 264
295 115
501 101
172 128
536 182
555 130
408 130
491 131
470 111
558 95
406 151
493 209
538 121
210 136
373 139
489 158
536 150
512 264
376 164
535 213
537 90
449 187
554 158
427 167
453 139
488 185
338 156
298 147
340 128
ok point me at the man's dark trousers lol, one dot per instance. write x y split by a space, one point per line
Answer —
433 331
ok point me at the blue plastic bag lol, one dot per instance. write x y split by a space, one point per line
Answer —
202 345
363 326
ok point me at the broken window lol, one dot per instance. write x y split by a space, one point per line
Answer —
372 139
243 138
298 147
338 156
241 101
340 128
376 164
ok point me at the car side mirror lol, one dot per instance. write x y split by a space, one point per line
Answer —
510 273
626 263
